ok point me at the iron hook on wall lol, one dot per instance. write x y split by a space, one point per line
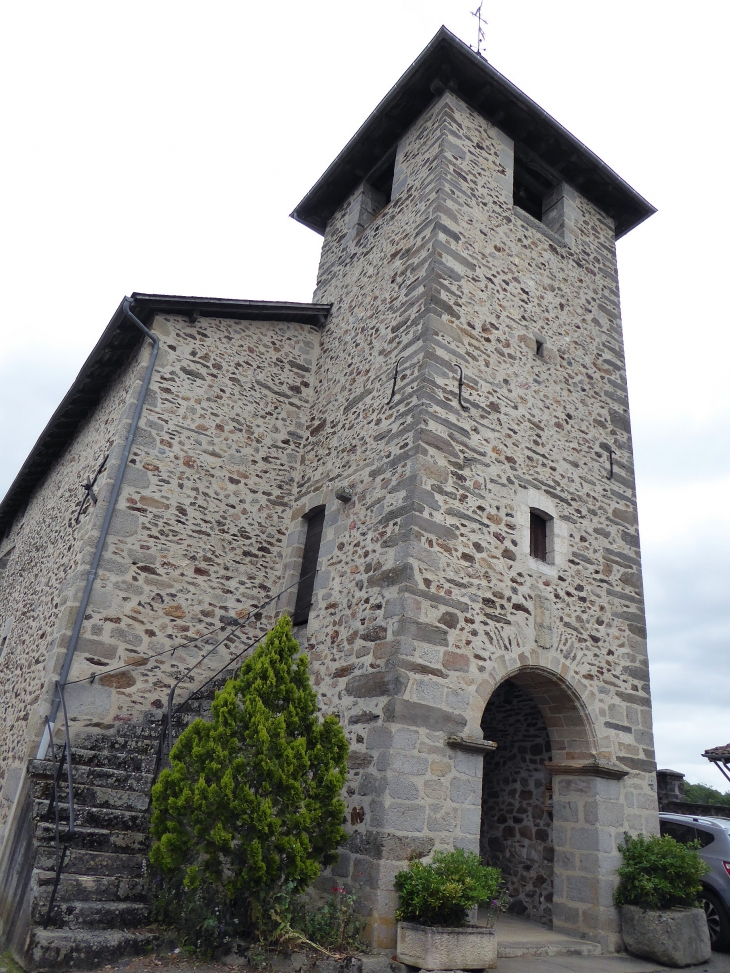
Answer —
610 463
395 380
466 408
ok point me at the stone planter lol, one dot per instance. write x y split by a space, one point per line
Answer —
447 948
675 937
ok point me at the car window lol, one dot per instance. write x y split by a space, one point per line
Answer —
683 833
705 838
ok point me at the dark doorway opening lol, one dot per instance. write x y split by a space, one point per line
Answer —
517 828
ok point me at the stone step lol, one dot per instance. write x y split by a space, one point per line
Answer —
52 950
87 796
206 695
181 722
117 778
148 728
143 741
578 947
81 862
109 819
112 759
520 937
100 915
96 839
87 888
198 707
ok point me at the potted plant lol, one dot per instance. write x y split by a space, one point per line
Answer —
434 904
661 919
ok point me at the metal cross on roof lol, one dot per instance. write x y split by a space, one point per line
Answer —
480 31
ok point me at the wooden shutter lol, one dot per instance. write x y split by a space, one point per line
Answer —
315 522
538 536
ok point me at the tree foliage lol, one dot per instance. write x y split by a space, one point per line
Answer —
250 808
658 872
704 794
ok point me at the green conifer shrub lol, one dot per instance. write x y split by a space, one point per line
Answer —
250 809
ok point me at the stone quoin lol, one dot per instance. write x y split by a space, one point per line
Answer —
443 436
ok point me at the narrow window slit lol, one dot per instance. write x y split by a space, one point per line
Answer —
315 523
538 536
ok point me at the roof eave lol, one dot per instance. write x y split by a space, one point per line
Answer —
448 62
109 355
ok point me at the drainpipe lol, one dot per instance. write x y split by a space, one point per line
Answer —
66 667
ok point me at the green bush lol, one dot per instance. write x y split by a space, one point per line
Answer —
250 809
333 925
658 872
442 893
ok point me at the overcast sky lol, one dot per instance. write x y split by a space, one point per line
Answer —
159 146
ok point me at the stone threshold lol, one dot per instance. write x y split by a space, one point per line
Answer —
520 937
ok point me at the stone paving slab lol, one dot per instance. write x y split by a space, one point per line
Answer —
719 963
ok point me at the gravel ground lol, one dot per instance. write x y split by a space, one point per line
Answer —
175 962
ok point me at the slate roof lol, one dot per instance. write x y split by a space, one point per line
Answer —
448 63
110 354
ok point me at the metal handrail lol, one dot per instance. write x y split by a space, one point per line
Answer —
62 848
69 767
172 710
53 803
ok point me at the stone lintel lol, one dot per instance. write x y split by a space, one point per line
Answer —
588 768
470 743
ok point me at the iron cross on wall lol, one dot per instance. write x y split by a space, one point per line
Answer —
90 496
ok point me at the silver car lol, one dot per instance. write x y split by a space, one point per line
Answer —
713 835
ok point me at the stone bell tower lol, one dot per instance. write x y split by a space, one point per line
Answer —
482 585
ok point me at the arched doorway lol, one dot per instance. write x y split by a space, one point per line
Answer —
517 827
536 720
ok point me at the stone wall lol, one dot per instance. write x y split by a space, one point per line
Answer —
517 826
47 551
427 596
670 788
196 540
198 536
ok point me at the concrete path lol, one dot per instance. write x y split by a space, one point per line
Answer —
527 947
719 963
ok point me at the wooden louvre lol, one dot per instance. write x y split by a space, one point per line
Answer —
315 522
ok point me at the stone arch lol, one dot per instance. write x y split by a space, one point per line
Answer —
563 702
538 721
572 732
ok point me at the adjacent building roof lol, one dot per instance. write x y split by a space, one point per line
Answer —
448 63
111 352
718 754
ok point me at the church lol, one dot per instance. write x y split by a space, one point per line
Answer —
429 467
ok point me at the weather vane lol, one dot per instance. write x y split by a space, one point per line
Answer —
480 33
